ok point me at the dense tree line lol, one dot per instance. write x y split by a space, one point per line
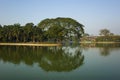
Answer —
108 39
107 36
17 33
57 29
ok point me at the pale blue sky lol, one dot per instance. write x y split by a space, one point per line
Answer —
94 14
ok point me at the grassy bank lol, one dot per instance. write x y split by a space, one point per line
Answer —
30 44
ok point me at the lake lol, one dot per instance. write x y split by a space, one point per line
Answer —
74 62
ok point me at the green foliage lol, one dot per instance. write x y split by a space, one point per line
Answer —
1 32
49 29
105 32
61 28
18 33
108 39
86 35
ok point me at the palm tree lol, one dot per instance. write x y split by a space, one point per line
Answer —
1 33
16 32
28 31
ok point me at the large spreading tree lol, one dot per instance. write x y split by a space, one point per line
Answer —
61 28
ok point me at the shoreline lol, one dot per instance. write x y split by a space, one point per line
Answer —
100 42
51 44
30 44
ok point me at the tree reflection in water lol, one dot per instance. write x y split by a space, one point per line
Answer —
63 59
49 58
104 48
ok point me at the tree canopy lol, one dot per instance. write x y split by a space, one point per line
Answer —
57 29
105 32
61 28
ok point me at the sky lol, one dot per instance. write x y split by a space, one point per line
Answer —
93 14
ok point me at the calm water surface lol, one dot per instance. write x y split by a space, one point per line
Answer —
84 62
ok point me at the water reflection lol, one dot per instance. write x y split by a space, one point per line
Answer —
48 58
104 49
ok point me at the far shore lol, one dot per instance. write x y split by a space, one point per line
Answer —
99 42
30 44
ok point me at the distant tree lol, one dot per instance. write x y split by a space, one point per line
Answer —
111 34
104 32
85 35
